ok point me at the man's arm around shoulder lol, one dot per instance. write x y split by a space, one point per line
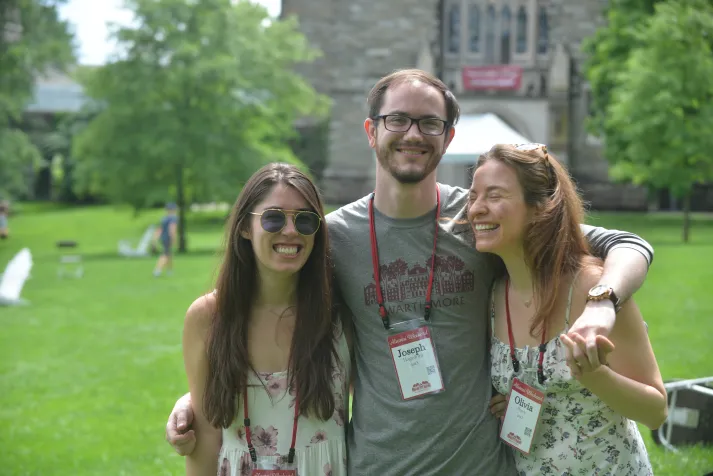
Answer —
626 262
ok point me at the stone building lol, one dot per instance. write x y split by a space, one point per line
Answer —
518 59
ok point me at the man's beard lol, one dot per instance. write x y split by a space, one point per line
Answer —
385 153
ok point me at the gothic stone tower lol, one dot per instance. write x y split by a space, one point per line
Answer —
363 41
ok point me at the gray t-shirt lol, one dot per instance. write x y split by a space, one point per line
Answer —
451 433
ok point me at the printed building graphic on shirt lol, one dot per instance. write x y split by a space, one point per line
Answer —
400 282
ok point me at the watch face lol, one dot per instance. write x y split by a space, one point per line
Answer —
598 290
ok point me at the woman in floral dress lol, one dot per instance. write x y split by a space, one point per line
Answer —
267 360
524 208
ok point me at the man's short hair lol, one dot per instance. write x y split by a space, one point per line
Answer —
375 99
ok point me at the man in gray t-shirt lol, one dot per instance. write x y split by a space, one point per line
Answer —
410 125
448 433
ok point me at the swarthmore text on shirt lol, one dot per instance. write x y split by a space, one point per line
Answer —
420 306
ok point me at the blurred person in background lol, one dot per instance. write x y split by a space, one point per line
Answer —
166 235
4 212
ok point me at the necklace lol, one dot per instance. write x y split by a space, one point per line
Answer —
527 302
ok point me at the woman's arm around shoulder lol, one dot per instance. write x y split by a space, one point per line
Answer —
631 384
204 459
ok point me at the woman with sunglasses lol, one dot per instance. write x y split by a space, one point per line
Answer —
266 359
560 415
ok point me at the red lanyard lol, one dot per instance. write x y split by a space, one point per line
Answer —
251 448
515 364
375 262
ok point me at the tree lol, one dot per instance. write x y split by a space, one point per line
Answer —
33 40
204 94
661 110
18 156
57 144
607 52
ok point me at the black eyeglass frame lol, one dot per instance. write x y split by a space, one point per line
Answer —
411 120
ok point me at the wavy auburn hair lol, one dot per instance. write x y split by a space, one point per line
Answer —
554 245
313 353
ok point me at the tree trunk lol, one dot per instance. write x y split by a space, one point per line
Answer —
686 216
66 194
181 203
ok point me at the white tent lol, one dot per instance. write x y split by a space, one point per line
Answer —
475 135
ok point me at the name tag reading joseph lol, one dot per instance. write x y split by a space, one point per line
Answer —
521 416
415 362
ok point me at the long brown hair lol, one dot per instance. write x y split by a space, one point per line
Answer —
554 245
313 353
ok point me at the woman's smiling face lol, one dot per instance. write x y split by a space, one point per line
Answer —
286 251
497 210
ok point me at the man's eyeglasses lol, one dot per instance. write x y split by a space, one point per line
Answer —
430 126
273 220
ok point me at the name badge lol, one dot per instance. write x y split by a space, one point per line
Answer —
521 416
415 362
271 466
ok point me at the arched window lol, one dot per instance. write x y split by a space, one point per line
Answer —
505 23
474 28
543 33
521 41
454 28
490 35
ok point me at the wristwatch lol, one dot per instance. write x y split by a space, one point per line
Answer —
601 292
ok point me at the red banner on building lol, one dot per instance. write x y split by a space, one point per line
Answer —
479 78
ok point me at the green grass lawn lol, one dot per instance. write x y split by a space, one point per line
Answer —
90 370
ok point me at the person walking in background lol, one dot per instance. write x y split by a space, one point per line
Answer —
4 211
166 234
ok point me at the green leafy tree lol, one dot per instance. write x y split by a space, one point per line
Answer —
57 145
33 40
607 52
204 93
18 158
660 116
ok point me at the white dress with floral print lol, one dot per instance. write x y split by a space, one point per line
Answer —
320 449
577 433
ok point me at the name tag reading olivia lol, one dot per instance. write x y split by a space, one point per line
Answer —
521 416
415 362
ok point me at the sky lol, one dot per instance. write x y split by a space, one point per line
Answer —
88 19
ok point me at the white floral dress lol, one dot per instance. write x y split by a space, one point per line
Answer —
320 449
577 434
